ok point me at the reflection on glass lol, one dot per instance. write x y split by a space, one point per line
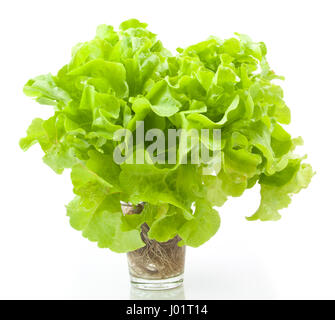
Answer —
170 294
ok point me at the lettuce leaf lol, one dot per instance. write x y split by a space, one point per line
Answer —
276 190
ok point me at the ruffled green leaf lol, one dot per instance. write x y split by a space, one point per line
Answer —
150 185
45 91
162 101
167 227
231 114
99 217
112 72
276 190
205 224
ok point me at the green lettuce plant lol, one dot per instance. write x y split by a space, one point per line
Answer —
122 77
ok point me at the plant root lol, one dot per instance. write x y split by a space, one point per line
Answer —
156 260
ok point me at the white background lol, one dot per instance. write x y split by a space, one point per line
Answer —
41 256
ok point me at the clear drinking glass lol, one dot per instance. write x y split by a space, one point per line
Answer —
158 265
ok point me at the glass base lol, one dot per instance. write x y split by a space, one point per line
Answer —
161 284
170 294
